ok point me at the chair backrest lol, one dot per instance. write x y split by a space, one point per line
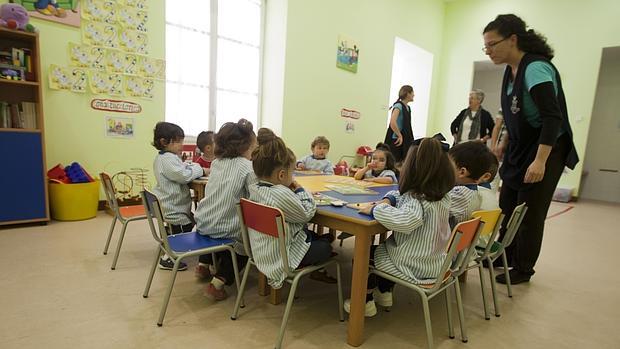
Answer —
469 230
154 212
265 220
492 220
513 224
110 192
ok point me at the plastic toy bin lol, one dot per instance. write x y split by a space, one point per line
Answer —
74 202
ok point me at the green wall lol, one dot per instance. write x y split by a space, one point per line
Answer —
74 131
577 30
315 90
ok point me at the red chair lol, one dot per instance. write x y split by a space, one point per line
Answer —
124 214
270 221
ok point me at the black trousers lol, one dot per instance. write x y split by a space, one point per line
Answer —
524 251
374 280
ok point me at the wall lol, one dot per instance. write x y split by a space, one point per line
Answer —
315 90
489 81
74 131
576 30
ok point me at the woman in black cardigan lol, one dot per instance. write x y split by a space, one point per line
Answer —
474 122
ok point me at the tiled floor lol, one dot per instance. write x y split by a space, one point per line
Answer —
57 291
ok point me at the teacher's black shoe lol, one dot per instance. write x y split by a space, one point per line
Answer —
516 277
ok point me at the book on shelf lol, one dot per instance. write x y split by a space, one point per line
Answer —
20 115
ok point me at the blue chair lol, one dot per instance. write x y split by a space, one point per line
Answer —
178 247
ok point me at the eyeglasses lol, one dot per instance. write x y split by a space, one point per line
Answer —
490 45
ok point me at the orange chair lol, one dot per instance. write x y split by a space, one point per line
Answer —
124 214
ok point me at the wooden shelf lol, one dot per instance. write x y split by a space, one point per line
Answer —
17 34
23 130
18 82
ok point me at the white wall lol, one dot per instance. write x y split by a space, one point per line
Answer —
489 81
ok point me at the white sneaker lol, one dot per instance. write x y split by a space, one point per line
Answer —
383 299
369 311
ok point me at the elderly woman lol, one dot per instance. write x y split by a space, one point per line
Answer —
474 122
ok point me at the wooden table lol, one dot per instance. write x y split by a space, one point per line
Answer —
198 185
363 228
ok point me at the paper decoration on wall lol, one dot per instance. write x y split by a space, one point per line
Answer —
132 18
119 127
130 64
115 106
100 82
347 54
139 4
349 127
60 11
139 87
80 55
116 84
153 68
99 11
67 78
133 41
350 113
100 34
115 61
97 57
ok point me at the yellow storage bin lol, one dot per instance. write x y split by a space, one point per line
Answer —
74 202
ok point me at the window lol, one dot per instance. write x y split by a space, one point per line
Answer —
212 62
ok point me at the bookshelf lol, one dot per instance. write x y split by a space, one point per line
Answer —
23 182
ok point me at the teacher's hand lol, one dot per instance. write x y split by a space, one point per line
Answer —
399 141
535 172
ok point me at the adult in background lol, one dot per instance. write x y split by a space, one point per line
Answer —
473 122
399 135
539 142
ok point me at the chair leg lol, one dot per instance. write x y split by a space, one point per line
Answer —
449 313
484 294
508 284
427 321
287 311
107 243
150 279
214 261
493 288
244 280
164 306
119 244
459 305
339 285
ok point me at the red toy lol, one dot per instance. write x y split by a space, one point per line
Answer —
58 174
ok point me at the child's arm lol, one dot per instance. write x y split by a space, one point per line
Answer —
382 180
177 171
404 219
460 198
297 206
301 164
361 172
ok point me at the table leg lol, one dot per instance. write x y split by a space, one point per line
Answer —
355 332
263 287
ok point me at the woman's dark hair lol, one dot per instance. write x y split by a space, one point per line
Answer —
390 160
427 172
403 92
234 138
475 156
528 40
271 154
205 138
166 132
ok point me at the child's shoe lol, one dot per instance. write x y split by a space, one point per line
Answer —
168 264
383 299
214 294
370 309
202 272
322 276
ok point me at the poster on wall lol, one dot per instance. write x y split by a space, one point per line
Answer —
60 11
347 54
118 127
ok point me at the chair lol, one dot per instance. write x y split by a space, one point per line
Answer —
270 221
492 222
498 248
178 247
124 214
463 235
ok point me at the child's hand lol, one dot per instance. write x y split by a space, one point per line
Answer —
371 165
206 171
294 185
366 209
300 166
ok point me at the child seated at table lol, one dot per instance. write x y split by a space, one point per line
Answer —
204 142
273 164
381 169
418 214
317 161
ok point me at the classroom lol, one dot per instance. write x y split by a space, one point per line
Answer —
309 174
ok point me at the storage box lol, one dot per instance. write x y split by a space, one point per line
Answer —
563 194
74 202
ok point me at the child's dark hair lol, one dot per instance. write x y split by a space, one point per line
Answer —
166 132
205 138
319 140
474 156
528 40
233 139
271 154
390 160
427 172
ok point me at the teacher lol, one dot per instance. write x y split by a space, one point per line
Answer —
540 140
473 122
399 135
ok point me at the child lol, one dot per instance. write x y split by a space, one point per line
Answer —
172 176
382 167
317 161
216 215
418 214
488 194
273 164
204 142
